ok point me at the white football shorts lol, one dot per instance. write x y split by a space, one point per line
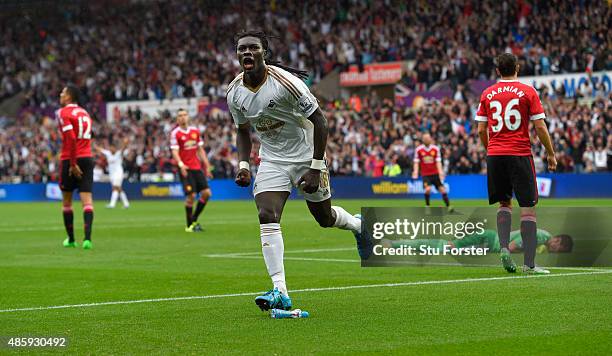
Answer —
116 179
283 177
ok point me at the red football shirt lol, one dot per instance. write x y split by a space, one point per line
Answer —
427 158
75 125
187 142
508 106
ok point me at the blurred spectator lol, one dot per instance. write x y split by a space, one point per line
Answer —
379 141
392 169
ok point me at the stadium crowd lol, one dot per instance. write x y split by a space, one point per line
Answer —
121 50
379 140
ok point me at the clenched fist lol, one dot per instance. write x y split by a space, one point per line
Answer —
243 178
310 181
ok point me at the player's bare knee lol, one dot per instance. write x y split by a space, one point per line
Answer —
206 194
67 203
267 215
528 212
505 204
189 198
86 199
427 190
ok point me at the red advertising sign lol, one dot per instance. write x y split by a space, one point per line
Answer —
373 74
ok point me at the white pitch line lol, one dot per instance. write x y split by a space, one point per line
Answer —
249 257
258 253
324 289
170 223
348 260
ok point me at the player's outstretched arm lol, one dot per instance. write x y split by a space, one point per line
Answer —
312 177
99 149
542 132
243 144
125 144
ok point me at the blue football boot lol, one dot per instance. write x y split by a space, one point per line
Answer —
273 299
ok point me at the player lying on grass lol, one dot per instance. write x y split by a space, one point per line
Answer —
546 242
292 130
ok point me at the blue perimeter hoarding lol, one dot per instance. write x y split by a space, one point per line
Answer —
459 187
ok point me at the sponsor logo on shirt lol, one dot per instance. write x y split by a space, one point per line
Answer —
269 127
190 144
428 159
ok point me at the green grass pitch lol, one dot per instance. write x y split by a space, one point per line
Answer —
143 255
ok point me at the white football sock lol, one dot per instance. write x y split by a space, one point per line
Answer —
346 221
113 200
273 249
124 199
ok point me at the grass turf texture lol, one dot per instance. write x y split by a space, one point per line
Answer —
143 253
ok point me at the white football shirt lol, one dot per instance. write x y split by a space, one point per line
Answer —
279 111
115 161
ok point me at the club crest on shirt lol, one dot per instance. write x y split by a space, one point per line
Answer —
194 135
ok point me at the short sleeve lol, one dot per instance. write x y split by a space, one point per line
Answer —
200 141
297 92
237 115
536 111
64 121
482 114
306 102
173 141
416 156
438 155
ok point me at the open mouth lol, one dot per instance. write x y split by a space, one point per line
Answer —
248 63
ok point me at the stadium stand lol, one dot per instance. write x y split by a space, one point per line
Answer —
190 54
